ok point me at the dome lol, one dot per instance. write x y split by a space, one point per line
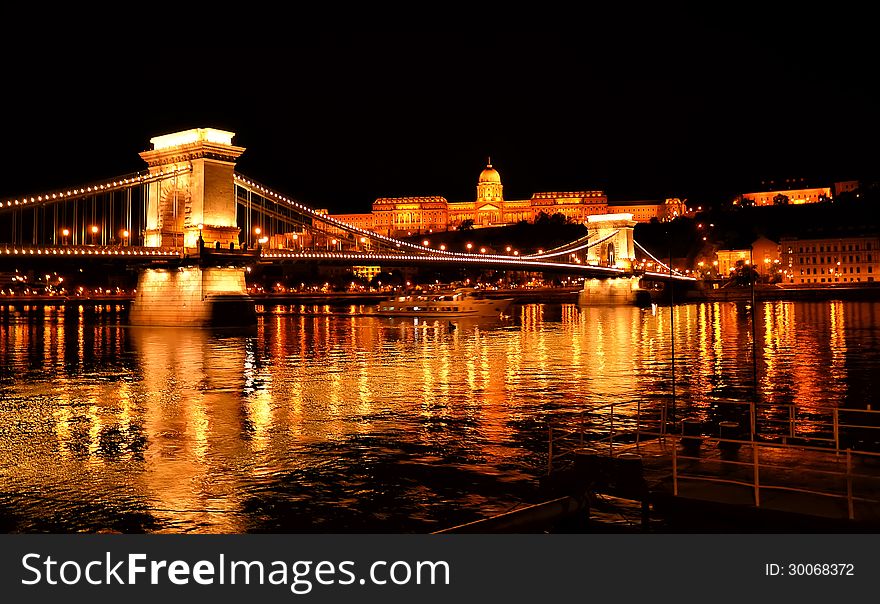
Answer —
490 175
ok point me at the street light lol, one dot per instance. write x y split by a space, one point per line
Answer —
65 233
470 246
125 235
94 230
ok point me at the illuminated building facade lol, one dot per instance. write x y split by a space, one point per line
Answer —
403 216
763 252
828 260
645 211
795 196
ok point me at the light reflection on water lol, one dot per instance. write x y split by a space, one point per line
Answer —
334 422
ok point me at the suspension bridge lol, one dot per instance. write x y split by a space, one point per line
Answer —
190 224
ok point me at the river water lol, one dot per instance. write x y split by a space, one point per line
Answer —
324 420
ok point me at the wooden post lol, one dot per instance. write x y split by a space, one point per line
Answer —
663 422
836 431
753 420
674 468
849 487
549 450
757 481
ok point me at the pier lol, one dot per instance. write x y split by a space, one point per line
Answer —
772 470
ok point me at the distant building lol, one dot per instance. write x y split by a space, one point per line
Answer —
645 210
846 186
763 253
830 259
402 216
792 196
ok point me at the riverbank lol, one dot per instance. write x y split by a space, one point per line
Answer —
862 291
520 295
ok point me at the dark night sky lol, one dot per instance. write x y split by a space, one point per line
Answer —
694 107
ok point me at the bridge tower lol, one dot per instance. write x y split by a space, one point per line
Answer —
617 251
200 288
202 199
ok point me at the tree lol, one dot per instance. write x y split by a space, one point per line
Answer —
780 200
542 218
744 274
558 218
466 225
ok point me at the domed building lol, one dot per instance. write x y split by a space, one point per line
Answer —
405 216
488 209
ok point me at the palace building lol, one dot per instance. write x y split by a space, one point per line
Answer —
834 258
403 216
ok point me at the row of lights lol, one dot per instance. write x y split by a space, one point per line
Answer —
104 187
94 230
260 189
89 252
463 258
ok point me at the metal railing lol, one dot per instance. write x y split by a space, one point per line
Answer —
608 427
818 466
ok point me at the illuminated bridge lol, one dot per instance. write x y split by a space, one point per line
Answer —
190 223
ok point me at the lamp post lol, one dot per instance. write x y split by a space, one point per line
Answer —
752 273
65 233
125 235
94 230
671 323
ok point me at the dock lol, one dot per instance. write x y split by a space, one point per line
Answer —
762 479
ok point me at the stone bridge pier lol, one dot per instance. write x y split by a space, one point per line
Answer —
194 211
616 250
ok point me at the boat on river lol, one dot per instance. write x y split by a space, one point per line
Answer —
463 302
